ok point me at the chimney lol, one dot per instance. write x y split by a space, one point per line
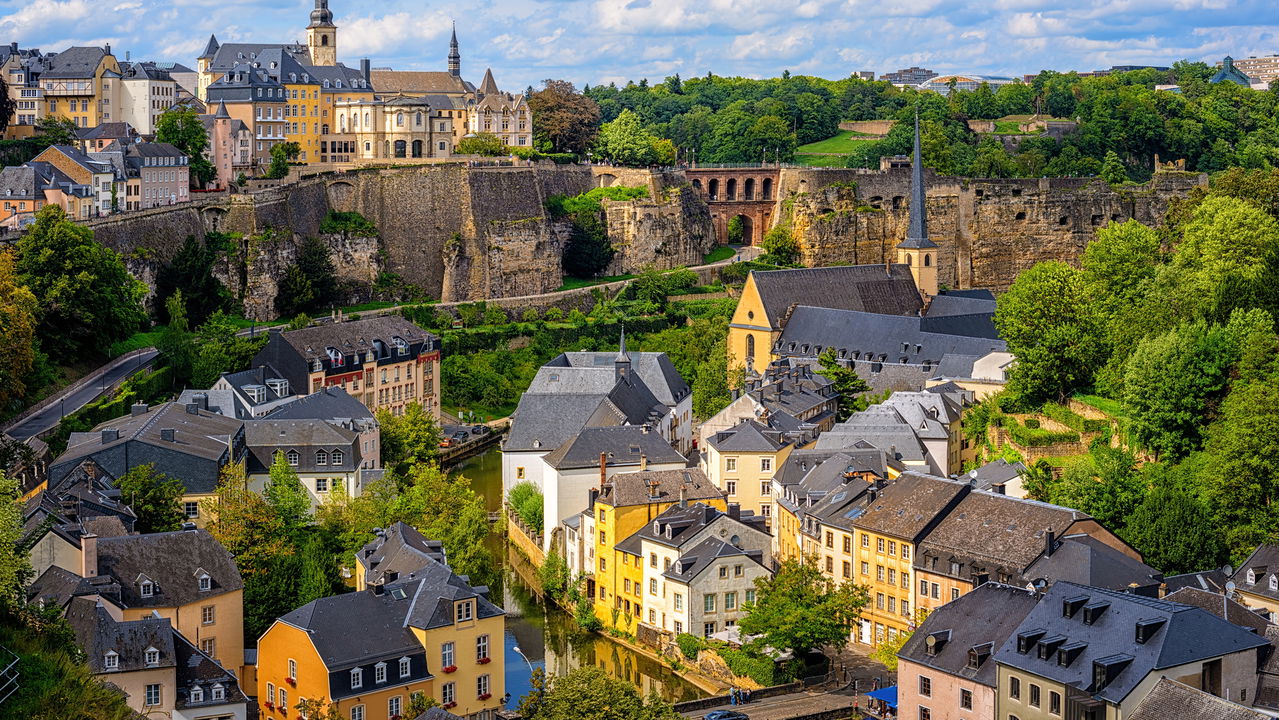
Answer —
193 408
138 409
366 69
683 495
167 435
643 462
110 435
735 511
603 470
647 428
1050 543
201 399
378 589
88 555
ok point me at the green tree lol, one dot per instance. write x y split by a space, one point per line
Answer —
486 144
18 310
281 155
886 652
210 362
87 299
320 576
1175 532
191 271
1240 479
1104 483
57 130
625 141
588 251
295 293
1051 324
287 497
15 566
1112 169
801 609
847 383
590 693
563 119
316 263
781 246
182 128
176 343
154 497
408 440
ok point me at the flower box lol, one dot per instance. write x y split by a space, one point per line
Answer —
450 669
291 681
450 706
484 660
486 696
270 705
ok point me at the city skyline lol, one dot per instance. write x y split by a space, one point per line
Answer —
601 41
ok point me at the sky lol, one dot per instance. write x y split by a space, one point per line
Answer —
602 41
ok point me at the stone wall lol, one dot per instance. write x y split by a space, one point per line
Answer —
671 231
988 230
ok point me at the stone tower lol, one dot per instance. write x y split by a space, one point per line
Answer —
455 57
917 251
322 35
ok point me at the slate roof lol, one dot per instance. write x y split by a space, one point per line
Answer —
222 402
359 627
695 561
748 436
873 337
419 82
623 445
997 473
992 533
437 713
18 182
654 368
1264 562
398 550
1221 606
879 426
329 403
683 523
947 304
195 669
981 620
356 336
172 561
115 130
74 63
1213 581
266 436
864 288
79 503
545 422
1186 634
1087 560
816 472
910 506
58 586
633 488
1171 699
97 633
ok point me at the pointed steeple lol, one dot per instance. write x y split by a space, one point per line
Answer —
210 49
455 56
222 113
488 86
917 235
622 363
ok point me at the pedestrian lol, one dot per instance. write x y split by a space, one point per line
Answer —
732 696
748 695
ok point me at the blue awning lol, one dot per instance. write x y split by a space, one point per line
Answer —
888 695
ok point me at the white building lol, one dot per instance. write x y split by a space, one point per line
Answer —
146 92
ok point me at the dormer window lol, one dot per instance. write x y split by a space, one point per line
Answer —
219 692
335 358
379 673
206 583
1274 582
1252 577
978 654
293 458
404 667
111 661
146 589
336 457
357 678
465 611
321 457
401 347
152 656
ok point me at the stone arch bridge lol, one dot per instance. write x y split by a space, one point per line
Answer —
748 192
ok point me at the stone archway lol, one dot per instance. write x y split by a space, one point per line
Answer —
213 218
341 196
741 230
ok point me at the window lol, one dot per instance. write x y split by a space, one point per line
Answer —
679 601
293 458
393 706
652 586
293 669
191 510
379 673
905 608
892 576
357 712
1054 702
925 686
936 591
448 693
892 604
879 573
147 589
730 601
197 695
750 597
879 601
730 464
731 488
111 660
892 548
357 678
152 656
865 540
321 485
447 657
1014 688
708 629
152 695
1034 695
482 685
925 713
208 646
219 692
765 488
966 699
954 593
465 611
830 565
321 457
905 579
708 603
208 615
848 570
765 464
405 667
879 545
865 568
270 693
848 543
905 552
284 698
206 583
335 457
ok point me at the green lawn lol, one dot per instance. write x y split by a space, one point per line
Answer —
1113 408
375 305
842 143
723 252
572 283
820 160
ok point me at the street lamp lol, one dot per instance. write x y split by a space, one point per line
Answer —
516 648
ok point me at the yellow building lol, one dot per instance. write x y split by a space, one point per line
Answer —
414 627
302 114
626 503
82 84
741 461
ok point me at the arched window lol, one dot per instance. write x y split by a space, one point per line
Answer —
324 129
399 119
910 259
366 120
750 346
928 260
324 40
401 148
417 120
321 457
417 148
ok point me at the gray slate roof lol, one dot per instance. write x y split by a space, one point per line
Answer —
981 620
624 446
172 561
357 336
865 288
748 436
328 403
1213 581
97 633
695 561
883 338
660 486
1087 560
996 473
911 505
654 368
1187 634
1223 607
265 437
398 551
679 524
74 63
1171 699
1264 562
545 422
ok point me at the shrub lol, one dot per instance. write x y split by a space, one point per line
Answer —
744 663
554 314
689 645
1074 420
1032 423
1037 437
585 615
526 500
529 315
352 222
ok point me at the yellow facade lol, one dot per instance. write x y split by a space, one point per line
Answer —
87 102
465 679
883 563
302 119
215 625
619 576
746 477
750 333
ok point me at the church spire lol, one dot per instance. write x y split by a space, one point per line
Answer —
622 363
455 57
917 234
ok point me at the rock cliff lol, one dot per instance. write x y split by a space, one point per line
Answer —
668 232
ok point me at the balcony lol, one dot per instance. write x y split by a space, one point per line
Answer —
68 89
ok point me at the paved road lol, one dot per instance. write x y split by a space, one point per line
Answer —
80 395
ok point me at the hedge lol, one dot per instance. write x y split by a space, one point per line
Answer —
498 337
756 667
1074 420
1037 437
526 500
689 645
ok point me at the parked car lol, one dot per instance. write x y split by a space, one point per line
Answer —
460 436
481 430
446 443
725 715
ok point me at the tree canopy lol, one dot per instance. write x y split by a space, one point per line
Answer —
801 609
590 693
182 128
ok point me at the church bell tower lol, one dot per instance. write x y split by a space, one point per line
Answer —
917 251
322 35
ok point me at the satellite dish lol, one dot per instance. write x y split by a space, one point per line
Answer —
930 641
1230 588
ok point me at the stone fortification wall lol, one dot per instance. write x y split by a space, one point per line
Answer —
668 232
988 230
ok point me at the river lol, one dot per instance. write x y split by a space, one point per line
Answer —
548 638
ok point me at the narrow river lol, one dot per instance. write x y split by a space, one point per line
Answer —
548 637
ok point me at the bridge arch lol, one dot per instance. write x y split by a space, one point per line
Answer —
213 216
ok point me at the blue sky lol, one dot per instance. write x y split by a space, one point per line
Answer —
593 41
